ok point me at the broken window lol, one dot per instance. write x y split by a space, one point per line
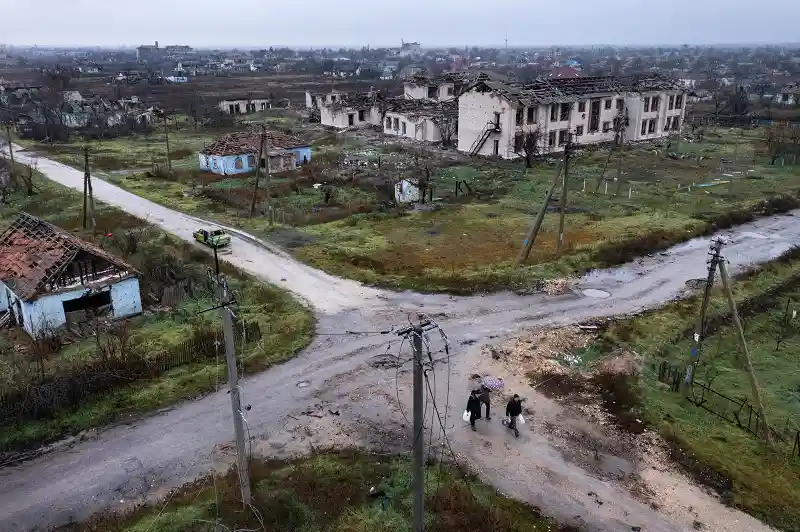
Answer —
231 108
563 135
404 128
679 101
518 142
531 114
519 116
608 104
497 120
351 119
497 147
578 131
361 116
647 105
396 124
594 117
651 127
449 91
251 161
620 104
432 92
676 123
654 104
388 123
75 310
671 104
333 98
644 127
263 106
565 107
606 127
551 139
313 101
581 107
554 112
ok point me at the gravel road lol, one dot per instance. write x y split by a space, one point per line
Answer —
127 463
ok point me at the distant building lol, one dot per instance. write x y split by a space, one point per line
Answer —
239 105
358 110
148 52
425 120
494 116
177 49
566 72
789 95
440 88
318 99
50 278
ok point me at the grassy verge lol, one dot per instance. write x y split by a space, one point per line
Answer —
286 325
330 493
750 476
469 242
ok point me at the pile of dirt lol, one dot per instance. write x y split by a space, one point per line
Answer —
556 287
541 352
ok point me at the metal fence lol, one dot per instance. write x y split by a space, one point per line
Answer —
738 412
66 388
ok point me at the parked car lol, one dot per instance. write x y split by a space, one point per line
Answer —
215 238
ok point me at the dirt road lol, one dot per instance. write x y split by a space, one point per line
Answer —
125 464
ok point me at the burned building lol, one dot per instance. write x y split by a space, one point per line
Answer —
50 278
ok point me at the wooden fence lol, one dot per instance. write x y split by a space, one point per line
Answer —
69 387
738 412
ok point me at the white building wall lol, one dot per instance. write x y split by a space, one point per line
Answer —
475 111
339 118
126 299
412 91
4 295
418 129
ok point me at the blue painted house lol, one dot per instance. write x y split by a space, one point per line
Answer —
50 278
236 153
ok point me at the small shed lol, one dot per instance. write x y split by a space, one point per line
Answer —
406 192
49 277
236 153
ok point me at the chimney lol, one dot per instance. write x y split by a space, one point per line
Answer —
156 45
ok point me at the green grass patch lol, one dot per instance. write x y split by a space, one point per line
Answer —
330 493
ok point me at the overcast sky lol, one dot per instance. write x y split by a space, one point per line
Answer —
256 23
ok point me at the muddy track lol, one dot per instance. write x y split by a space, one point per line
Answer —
129 463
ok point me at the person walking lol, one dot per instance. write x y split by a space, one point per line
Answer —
513 410
485 397
474 408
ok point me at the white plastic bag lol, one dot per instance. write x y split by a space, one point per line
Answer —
520 419
465 415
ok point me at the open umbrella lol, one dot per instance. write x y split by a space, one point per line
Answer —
493 383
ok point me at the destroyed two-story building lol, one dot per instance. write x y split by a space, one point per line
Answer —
494 117
49 278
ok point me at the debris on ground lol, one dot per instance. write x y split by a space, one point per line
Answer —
556 287
541 351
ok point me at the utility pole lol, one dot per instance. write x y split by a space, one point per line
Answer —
242 461
567 153
258 169
166 141
87 190
744 354
268 177
418 482
11 176
700 328
522 256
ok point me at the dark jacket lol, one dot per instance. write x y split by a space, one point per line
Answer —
485 395
473 404
514 408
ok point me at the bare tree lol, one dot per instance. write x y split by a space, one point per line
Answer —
529 146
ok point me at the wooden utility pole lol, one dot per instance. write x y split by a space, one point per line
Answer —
11 176
166 142
744 353
522 256
567 153
268 178
88 196
258 169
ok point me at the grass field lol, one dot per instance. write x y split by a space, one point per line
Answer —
763 482
468 243
286 325
330 493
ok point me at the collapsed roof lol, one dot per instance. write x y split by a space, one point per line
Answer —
424 108
246 142
34 254
564 90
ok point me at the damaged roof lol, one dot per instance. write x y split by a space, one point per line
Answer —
563 90
34 253
246 142
424 108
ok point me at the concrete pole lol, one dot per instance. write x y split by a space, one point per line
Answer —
567 151
700 327
11 174
419 439
534 230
